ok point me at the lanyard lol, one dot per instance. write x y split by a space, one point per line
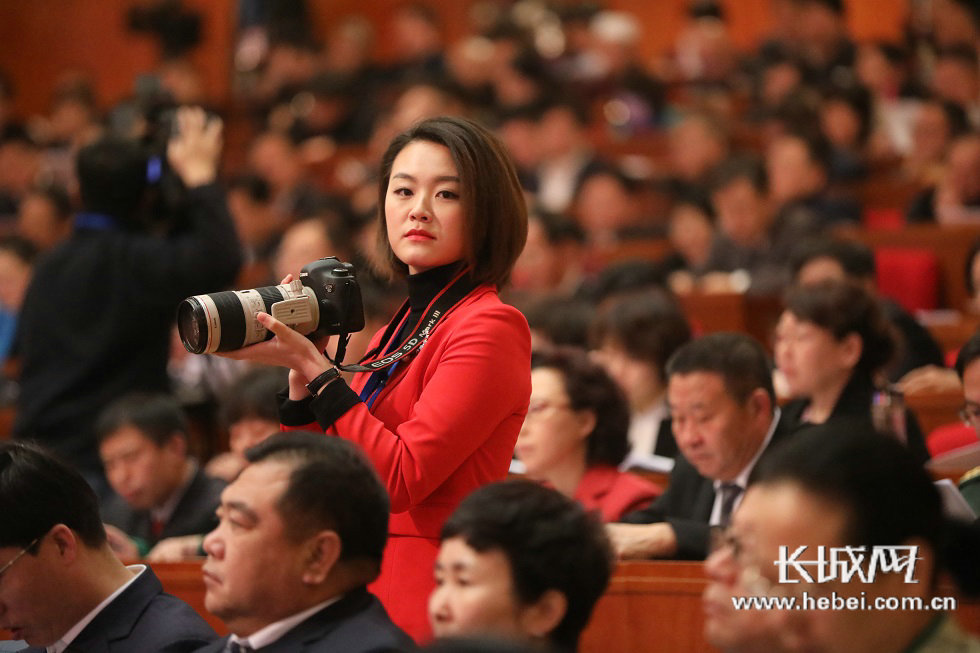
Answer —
459 287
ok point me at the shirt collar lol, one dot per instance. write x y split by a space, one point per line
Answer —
73 632
742 479
274 631
164 512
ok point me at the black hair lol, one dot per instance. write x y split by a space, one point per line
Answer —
558 228
968 271
817 147
622 277
737 167
332 486
957 120
253 394
562 320
972 7
157 416
590 388
493 203
23 249
960 53
887 495
627 184
255 187
649 325
39 491
571 103
968 353
58 197
855 258
859 99
738 358
550 543
836 6
843 308
112 178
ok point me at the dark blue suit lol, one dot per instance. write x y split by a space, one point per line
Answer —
142 620
357 623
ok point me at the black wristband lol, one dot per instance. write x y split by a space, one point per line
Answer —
323 379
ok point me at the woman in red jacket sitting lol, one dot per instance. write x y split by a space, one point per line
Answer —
574 435
443 420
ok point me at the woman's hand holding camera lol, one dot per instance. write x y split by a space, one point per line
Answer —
287 349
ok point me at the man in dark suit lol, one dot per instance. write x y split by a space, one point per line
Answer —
62 586
160 492
723 413
301 534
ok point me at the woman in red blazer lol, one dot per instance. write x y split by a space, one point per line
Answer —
574 435
444 418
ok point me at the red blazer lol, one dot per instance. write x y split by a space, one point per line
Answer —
444 424
613 493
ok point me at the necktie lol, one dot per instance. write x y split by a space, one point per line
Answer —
156 527
729 494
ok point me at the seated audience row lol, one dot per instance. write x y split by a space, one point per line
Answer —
302 531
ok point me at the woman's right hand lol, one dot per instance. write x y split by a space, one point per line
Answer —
287 348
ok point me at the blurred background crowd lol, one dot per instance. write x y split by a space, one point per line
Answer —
691 146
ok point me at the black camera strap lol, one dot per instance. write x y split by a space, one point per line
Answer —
457 289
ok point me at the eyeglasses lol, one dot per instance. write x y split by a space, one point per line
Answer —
970 414
10 563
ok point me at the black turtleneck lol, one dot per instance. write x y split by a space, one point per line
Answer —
422 289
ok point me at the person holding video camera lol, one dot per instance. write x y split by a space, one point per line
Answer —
97 315
441 420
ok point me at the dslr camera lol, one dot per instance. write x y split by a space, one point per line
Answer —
325 300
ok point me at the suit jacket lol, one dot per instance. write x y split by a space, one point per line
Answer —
613 493
666 445
687 502
143 619
854 407
193 515
355 624
444 424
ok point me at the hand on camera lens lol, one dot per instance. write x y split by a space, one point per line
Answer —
287 349
195 148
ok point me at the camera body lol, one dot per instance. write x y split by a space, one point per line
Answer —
325 300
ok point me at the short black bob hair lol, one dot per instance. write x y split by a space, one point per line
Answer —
492 200
550 542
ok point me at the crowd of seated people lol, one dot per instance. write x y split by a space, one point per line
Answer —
738 167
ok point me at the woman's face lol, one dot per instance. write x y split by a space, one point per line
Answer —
638 379
423 211
474 594
809 356
553 432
